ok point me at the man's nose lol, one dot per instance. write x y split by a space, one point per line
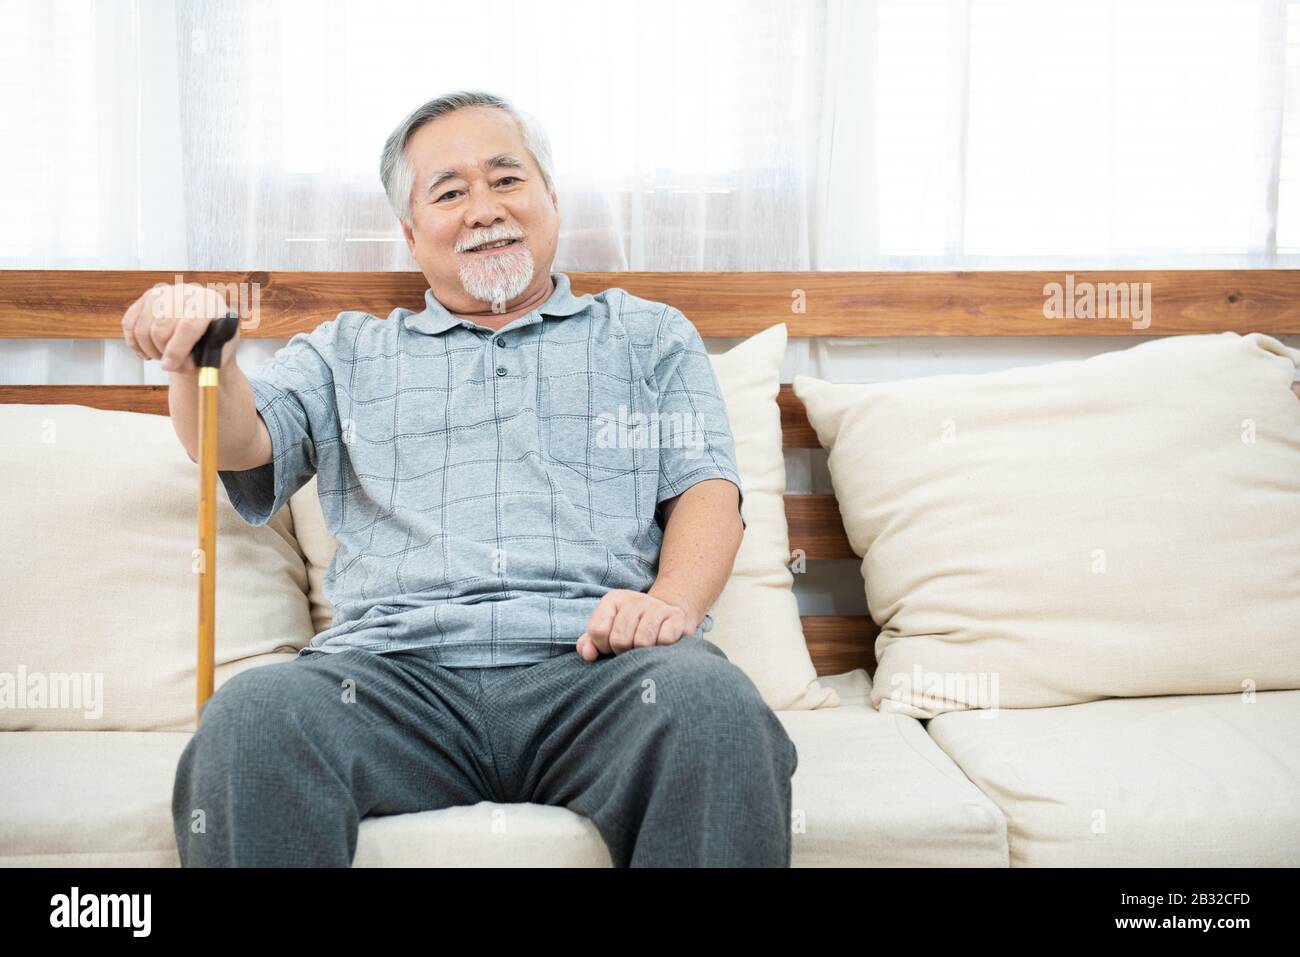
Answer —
484 209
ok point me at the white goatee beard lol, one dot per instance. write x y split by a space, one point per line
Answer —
498 279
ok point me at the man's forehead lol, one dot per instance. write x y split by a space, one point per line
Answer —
466 139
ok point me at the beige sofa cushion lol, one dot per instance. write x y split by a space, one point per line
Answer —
99 526
870 790
88 798
1178 781
756 618
1125 525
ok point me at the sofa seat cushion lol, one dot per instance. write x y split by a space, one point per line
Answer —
88 798
486 834
1185 780
870 789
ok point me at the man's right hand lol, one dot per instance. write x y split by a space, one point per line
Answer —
168 320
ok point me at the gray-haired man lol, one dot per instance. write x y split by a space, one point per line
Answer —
520 601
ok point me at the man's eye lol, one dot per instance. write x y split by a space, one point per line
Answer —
453 192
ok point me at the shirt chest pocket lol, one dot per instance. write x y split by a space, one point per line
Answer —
598 423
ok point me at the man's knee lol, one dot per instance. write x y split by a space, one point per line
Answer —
259 702
697 671
713 702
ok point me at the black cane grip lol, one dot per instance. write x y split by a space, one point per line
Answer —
207 351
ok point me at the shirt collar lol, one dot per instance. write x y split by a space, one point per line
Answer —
436 318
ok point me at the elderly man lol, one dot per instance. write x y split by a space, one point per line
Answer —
521 581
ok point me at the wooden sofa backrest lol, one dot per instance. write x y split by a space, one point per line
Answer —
37 304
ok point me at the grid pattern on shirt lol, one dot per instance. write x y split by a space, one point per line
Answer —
485 487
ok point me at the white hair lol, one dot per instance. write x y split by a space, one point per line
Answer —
395 167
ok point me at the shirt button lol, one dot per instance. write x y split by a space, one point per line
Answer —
501 343
501 370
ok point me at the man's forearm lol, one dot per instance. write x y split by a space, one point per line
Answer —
699 547
242 439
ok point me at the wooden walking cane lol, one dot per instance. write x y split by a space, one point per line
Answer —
207 356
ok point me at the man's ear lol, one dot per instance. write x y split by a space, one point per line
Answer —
555 200
410 238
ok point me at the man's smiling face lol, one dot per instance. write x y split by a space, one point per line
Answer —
475 182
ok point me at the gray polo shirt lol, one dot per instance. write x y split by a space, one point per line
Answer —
486 488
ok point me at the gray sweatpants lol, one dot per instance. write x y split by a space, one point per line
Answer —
669 750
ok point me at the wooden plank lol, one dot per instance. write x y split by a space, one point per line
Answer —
816 528
796 431
840 643
88 304
151 399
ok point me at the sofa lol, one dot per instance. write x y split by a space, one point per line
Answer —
96 692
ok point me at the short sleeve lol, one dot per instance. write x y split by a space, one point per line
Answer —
294 394
692 411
